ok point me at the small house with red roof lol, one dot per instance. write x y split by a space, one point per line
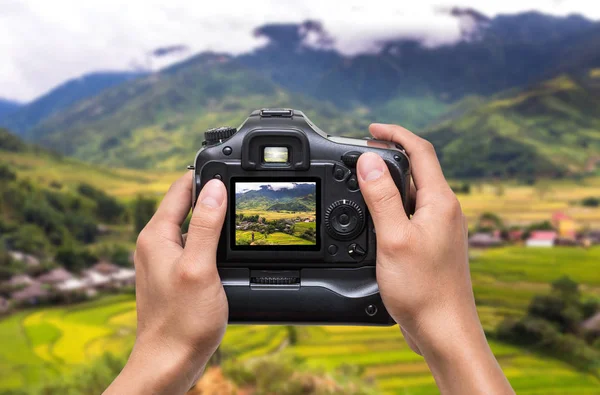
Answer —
565 225
542 238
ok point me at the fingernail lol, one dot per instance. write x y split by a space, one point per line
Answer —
370 166
213 194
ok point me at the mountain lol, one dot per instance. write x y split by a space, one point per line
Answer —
549 129
504 52
61 97
8 107
478 92
158 121
299 198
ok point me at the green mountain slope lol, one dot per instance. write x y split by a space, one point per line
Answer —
158 121
550 129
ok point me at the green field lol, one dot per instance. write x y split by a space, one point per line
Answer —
39 345
277 238
275 215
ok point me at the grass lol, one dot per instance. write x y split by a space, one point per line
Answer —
275 215
49 342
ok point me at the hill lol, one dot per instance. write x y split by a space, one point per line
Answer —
299 198
61 97
158 121
546 130
8 107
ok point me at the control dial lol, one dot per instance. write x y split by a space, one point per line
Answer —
344 220
216 135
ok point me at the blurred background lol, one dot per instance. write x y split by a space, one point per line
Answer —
104 103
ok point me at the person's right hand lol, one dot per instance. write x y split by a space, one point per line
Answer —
423 267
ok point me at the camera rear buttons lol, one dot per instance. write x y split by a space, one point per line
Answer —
332 249
344 220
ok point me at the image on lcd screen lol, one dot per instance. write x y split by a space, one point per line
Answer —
275 213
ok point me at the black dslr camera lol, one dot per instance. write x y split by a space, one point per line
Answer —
298 244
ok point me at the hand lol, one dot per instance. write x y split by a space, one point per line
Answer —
423 267
181 305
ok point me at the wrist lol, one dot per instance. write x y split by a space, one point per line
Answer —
158 369
458 355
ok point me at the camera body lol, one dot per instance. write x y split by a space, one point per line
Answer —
298 245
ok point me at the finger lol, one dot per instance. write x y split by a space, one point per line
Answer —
206 222
172 211
426 169
381 195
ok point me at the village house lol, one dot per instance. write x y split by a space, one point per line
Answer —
565 225
27 259
96 279
20 281
105 267
541 238
4 305
485 240
124 278
591 326
515 235
55 276
32 294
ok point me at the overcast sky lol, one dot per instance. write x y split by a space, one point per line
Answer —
45 42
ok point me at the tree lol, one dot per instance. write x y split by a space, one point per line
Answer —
74 258
143 210
566 289
30 239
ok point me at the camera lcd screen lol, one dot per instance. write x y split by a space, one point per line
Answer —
278 214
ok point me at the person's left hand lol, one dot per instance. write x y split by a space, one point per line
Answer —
181 305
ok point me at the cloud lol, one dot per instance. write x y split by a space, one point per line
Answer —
44 43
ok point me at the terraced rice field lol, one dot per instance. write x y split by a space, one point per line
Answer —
40 345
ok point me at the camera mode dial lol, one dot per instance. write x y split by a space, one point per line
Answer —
344 220
216 135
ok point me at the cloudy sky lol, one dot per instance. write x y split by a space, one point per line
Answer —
243 187
44 43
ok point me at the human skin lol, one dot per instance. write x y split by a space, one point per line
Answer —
422 272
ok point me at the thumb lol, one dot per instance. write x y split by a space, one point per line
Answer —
206 222
382 197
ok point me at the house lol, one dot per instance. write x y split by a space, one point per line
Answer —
591 326
31 294
20 280
29 260
124 277
541 238
4 305
565 225
55 276
515 235
484 240
96 279
105 267
75 285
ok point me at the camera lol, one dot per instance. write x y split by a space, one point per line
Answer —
298 245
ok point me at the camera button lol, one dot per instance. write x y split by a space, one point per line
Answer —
332 249
352 183
227 151
371 310
340 173
356 251
218 177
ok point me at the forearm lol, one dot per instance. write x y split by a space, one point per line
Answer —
459 357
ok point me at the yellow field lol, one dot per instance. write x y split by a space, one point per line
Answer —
521 204
275 215
45 169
